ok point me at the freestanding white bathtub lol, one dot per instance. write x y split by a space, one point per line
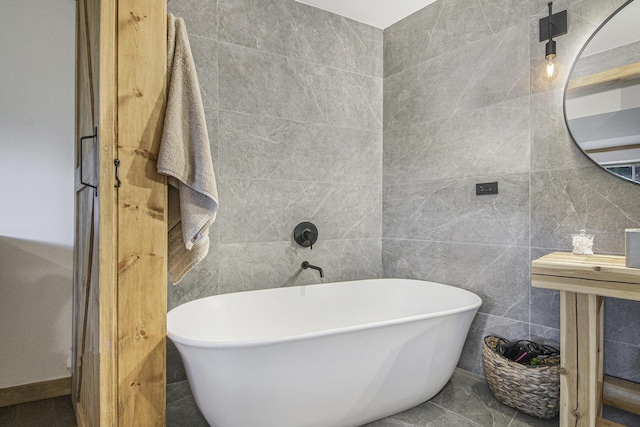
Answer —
330 355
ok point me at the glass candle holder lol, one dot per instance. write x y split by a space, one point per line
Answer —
582 243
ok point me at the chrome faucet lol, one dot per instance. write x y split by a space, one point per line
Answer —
306 265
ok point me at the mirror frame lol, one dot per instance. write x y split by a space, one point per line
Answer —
566 87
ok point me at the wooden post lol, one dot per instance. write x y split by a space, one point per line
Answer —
142 227
95 248
569 360
120 259
589 326
108 253
621 394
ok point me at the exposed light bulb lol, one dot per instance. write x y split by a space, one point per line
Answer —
550 68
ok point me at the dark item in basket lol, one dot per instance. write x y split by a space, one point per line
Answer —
532 389
527 352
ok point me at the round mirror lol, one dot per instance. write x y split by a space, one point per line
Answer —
602 96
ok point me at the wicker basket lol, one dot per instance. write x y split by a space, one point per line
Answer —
534 390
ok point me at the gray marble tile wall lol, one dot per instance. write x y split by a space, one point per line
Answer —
293 99
464 103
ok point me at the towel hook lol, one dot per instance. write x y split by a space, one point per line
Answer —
82 139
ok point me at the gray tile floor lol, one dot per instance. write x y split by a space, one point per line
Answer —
466 401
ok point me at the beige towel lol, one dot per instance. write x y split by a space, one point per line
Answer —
185 156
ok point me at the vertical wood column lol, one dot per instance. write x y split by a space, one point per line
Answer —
590 339
95 250
581 341
581 336
142 259
569 360
107 207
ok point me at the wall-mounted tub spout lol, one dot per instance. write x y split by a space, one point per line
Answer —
306 265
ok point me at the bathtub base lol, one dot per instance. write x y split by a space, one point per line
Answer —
339 380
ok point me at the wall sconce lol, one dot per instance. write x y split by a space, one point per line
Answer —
550 27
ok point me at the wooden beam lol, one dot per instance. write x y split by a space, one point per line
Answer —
94 330
601 422
35 391
604 275
142 225
568 360
606 268
108 232
630 291
621 394
604 79
589 322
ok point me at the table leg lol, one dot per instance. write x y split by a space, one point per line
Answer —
569 360
590 366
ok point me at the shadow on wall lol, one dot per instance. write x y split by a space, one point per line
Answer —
36 281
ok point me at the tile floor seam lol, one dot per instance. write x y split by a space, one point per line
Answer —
457 414
179 400
512 419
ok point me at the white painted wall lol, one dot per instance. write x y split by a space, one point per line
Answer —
37 55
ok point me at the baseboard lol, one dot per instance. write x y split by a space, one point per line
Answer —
36 391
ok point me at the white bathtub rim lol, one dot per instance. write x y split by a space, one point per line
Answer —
190 342
198 343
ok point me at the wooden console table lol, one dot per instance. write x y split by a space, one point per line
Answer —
583 282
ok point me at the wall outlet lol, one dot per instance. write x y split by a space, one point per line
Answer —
486 188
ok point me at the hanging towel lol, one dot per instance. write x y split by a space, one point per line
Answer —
185 156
